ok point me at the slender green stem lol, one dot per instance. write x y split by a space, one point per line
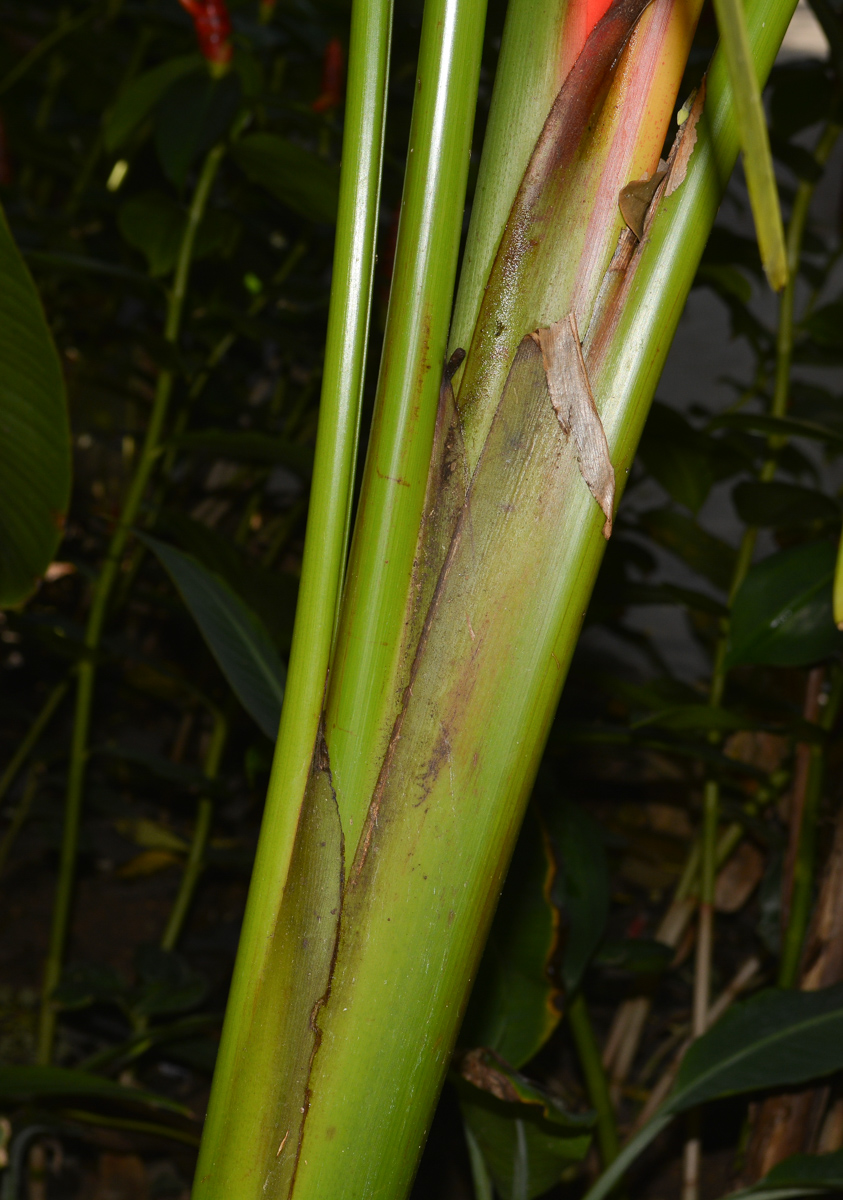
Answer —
62 30
804 866
32 735
149 455
480 1177
20 814
201 832
588 1052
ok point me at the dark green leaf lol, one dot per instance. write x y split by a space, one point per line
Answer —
696 716
641 956
154 224
725 279
512 1009
779 505
195 113
802 95
676 455
235 636
800 1175
42 1083
34 432
525 1153
701 550
167 983
782 613
251 447
140 96
295 176
779 427
581 886
83 984
825 325
799 160
271 595
775 1039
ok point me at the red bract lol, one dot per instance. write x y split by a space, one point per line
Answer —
331 95
213 28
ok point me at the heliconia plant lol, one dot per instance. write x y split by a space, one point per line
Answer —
424 673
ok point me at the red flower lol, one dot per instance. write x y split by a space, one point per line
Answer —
213 28
333 64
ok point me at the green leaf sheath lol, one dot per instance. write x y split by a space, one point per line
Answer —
370 651
245 1064
34 432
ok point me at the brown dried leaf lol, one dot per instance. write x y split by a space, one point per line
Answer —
573 403
739 878
636 197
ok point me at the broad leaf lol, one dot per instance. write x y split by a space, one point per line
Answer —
701 550
512 1009
237 639
194 114
525 1153
167 984
782 614
675 454
779 427
34 432
295 176
141 95
775 1039
580 888
41 1083
779 505
154 224
800 1175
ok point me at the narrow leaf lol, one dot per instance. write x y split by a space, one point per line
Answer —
755 142
34 432
775 1039
22 1083
237 639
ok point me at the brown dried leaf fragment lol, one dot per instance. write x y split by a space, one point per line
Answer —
686 139
573 403
636 198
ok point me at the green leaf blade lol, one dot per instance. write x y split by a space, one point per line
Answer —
754 139
35 467
237 639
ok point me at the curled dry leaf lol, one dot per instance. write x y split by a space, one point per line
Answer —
636 197
573 403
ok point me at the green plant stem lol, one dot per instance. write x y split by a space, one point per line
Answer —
32 735
804 866
99 606
62 30
20 814
201 832
597 1085
324 552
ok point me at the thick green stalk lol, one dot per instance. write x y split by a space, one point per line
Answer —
596 1082
363 696
201 832
229 1129
86 670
